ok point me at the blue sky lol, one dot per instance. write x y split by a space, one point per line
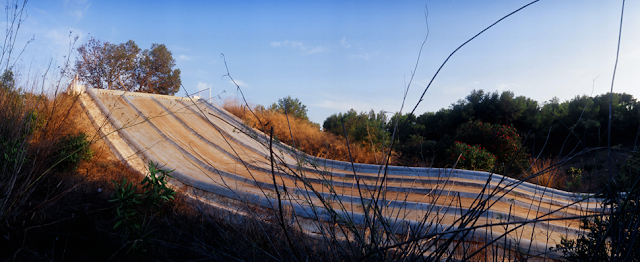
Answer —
337 55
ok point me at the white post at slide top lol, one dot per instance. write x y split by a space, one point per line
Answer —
75 87
198 94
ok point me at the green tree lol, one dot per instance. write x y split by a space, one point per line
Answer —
291 106
155 73
363 127
7 80
125 67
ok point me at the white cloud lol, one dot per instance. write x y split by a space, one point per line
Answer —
60 41
316 49
366 56
239 82
76 8
299 45
344 43
184 57
202 86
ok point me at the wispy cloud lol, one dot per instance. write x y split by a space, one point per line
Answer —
344 43
239 82
299 45
366 56
76 8
184 57
316 49
202 85
60 41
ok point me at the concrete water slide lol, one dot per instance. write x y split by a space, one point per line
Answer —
213 151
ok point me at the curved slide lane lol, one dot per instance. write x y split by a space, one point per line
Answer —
213 151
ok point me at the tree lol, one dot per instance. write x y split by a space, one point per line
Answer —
291 106
125 67
363 127
155 74
7 80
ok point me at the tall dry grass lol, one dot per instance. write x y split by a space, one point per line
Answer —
307 136
547 173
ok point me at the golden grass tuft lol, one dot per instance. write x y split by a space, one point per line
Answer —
548 173
307 135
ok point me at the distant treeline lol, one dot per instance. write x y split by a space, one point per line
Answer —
551 128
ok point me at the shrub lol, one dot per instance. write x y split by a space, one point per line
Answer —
73 148
136 210
575 178
13 155
501 140
471 157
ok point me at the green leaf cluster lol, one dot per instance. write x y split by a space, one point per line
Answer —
291 106
73 148
501 140
135 211
471 157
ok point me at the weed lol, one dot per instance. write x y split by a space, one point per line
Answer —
156 191
72 149
136 210
575 178
127 200
13 155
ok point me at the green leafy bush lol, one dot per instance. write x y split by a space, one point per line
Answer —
501 140
471 157
136 210
155 185
575 178
13 154
73 148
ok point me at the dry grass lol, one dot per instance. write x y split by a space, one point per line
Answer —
548 173
307 136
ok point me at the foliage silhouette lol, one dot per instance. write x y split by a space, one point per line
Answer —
125 67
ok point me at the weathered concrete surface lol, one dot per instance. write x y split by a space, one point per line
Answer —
213 151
